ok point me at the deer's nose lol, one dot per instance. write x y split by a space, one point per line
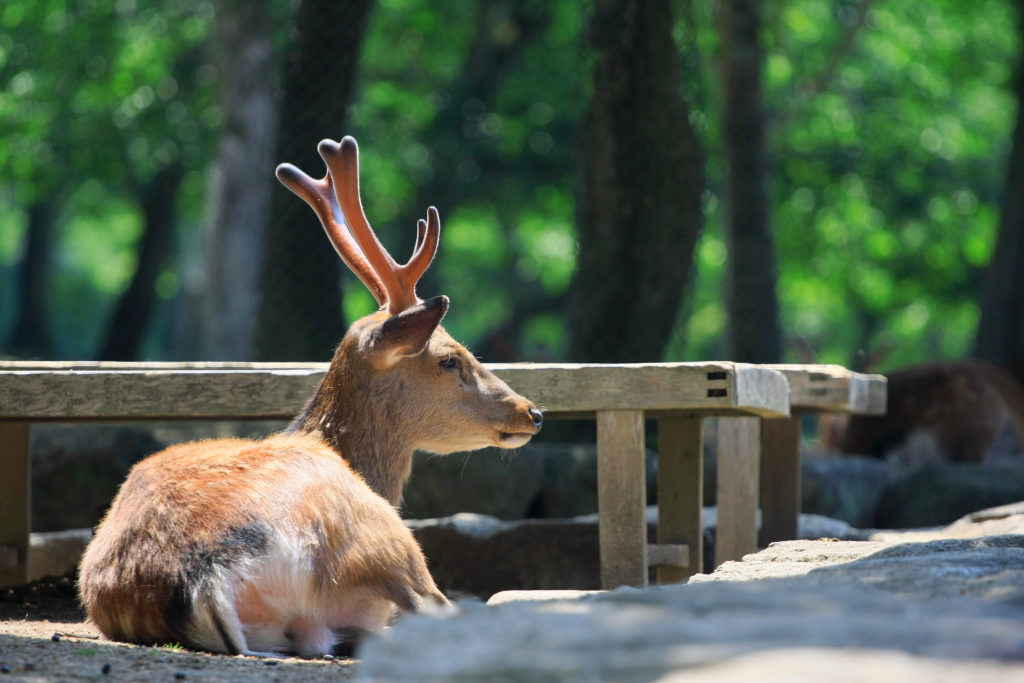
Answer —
537 416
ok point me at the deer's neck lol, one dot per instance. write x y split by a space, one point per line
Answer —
360 433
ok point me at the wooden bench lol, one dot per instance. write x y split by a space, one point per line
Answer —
759 460
678 395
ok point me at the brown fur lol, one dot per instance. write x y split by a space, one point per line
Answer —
962 405
290 543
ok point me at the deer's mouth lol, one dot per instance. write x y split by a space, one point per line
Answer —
513 439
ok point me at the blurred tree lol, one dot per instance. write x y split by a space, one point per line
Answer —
890 127
639 204
300 315
31 336
105 108
157 196
243 180
752 307
1001 330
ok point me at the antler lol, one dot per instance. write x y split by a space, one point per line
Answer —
335 200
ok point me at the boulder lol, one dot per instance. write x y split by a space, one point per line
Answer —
472 554
845 487
541 480
947 610
77 470
940 493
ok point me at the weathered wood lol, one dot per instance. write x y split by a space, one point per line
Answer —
681 492
668 555
878 394
15 503
622 498
832 388
739 458
156 393
780 480
116 391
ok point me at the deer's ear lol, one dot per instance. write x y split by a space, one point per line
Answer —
406 334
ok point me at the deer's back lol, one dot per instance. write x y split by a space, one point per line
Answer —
273 527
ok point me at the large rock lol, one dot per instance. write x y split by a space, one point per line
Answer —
541 480
77 469
939 493
481 555
846 487
947 610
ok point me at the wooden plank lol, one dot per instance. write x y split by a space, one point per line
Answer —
681 492
878 394
668 555
780 480
622 498
15 502
739 457
823 387
276 391
833 388
156 394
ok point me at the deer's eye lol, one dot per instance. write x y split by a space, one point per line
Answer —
450 363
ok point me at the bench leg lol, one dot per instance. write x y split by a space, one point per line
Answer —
780 480
622 498
15 501
681 492
739 459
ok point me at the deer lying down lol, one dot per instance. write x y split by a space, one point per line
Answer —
960 407
290 544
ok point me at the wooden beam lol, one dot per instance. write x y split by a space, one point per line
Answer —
622 498
120 391
780 480
15 502
681 492
739 459
666 555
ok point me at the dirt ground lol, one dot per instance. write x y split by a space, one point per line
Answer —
44 637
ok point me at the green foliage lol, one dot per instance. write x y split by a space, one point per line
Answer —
95 98
888 140
888 153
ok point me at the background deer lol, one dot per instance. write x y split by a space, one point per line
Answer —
944 410
292 543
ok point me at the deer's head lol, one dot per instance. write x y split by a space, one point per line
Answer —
397 375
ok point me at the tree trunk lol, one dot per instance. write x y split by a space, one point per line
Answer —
31 336
751 303
1001 329
639 204
242 182
158 198
300 314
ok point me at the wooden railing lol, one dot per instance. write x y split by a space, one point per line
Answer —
620 397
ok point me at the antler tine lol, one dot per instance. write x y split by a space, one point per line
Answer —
320 197
399 280
428 234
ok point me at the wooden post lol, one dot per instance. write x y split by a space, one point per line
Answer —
622 498
739 459
681 492
15 503
780 480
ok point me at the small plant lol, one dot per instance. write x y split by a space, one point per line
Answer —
86 651
176 647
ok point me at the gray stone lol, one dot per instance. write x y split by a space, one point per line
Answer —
77 469
845 487
544 480
939 493
948 610
55 553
